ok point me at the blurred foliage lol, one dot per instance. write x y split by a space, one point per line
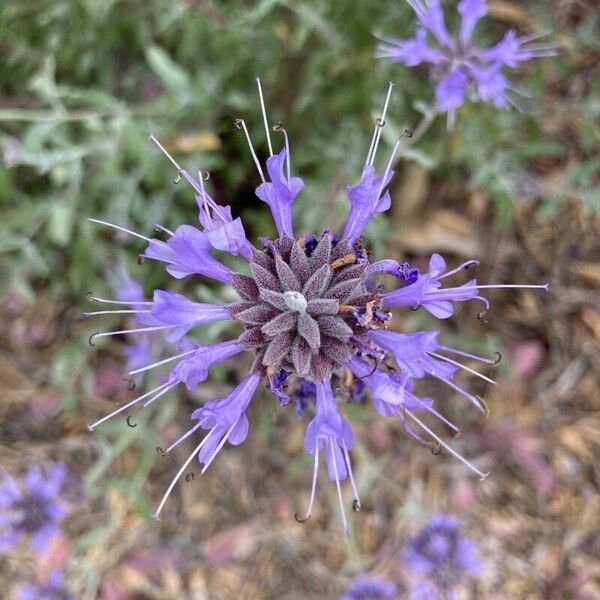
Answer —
85 82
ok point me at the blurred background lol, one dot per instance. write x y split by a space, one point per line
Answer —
83 83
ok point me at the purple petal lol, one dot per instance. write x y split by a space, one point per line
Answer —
450 91
471 11
279 194
365 201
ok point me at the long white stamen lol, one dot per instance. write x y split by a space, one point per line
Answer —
448 448
118 227
378 127
218 448
183 437
264 114
183 468
462 267
463 392
313 489
461 366
161 362
125 331
180 169
161 393
126 406
513 285
438 415
106 301
337 485
251 147
387 170
208 201
487 361
116 312
351 474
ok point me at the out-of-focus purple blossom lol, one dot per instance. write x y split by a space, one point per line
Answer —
31 507
369 587
459 67
440 558
53 588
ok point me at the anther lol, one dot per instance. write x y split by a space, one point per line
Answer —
300 519
159 451
415 307
238 124
91 298
356 505
498 358
484 407
481 317
130 383
348 259
203 175
407 133
140 259
177 178
278 126
436 450
132 425
190 477
92 337
379 122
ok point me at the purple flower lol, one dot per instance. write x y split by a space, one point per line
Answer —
184 314
460 68
53 589
331 432
31 507
187 252
313 319
221 229
369 587
440 558
366 200
280 192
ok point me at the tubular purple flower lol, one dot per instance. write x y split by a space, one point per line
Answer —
410 52
193 369
366 201
427 292
177 310
471 12
331 432
280 193
187 252
222 230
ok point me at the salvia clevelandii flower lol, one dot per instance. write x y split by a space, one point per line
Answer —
31 507
313 317
52 589
369 587
460 68
440 558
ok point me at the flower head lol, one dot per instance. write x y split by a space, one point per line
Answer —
31 507
460 68
314 318
369 587
440 557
